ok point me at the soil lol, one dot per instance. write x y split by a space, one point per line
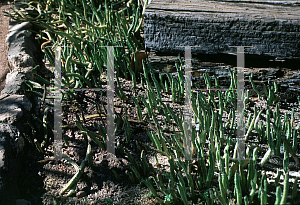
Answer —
45 178
4 23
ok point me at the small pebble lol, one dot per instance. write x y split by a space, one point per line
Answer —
80 194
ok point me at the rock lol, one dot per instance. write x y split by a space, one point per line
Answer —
11 108
13 82
80 194
22 46
23 55
16 28
10 163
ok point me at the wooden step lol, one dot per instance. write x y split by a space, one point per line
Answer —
271 27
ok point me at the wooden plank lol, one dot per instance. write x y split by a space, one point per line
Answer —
271 27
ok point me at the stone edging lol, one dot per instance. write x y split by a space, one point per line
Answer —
15 109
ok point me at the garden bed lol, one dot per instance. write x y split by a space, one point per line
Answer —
149 132
99 185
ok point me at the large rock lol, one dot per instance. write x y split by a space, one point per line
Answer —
11 108
21 46
271 27
23 55
10 163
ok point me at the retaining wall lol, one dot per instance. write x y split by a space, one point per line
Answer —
15 108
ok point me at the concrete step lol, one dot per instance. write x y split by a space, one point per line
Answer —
271 27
